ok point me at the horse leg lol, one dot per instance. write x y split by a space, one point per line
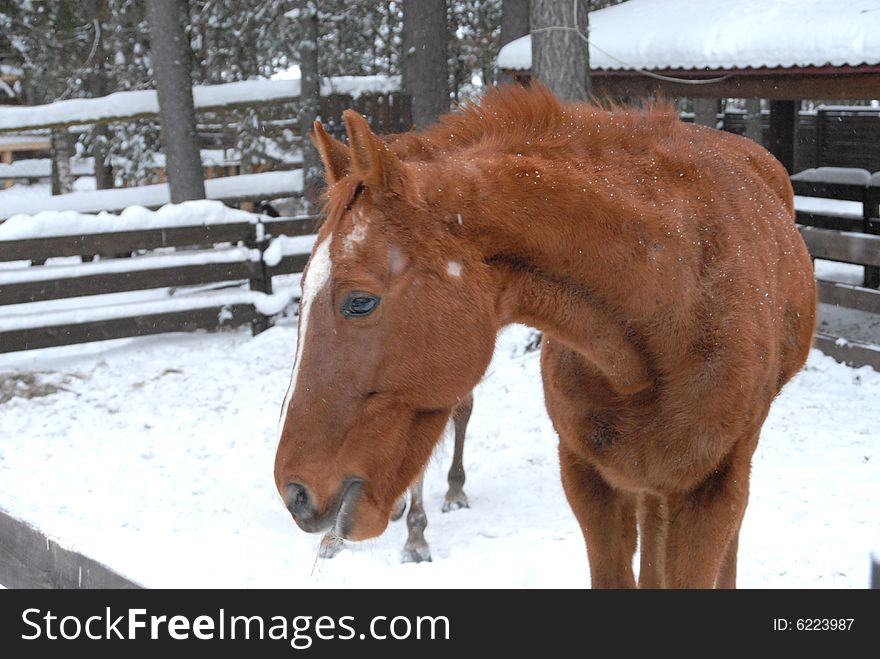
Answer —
607 519
331 544
704 527
653 525
727 577
455 496
416 548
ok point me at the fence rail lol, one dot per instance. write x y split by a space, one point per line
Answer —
170 269
228 255
31 559
846 232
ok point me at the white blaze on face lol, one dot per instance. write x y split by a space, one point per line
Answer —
312 285
453 268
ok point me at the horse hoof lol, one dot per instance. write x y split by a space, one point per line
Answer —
455 502
417 555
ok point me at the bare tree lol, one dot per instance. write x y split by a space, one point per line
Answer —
62 151
514 24
96 84
310 100
425 69
560 55
172 67
514 20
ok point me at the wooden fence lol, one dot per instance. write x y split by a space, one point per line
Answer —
230 255
848 236
851 238
31 559
845 136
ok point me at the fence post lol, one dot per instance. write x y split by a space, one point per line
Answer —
872 225
260 280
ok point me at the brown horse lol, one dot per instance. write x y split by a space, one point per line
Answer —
660 259
416 549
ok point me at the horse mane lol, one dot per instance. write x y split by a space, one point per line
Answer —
512 118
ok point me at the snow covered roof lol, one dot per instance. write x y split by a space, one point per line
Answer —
725 34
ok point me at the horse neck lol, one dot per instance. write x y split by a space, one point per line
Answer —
560 265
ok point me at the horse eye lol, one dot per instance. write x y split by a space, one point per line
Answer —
359 305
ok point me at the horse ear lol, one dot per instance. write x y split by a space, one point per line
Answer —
334 154
372 161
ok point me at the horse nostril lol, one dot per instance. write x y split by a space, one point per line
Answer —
298 502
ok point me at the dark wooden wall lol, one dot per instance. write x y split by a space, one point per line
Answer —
826 138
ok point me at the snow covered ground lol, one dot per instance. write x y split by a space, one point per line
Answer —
155 456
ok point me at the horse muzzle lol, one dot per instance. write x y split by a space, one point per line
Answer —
338 515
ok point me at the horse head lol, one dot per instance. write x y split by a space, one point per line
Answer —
397 324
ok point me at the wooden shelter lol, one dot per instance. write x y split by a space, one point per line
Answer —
784 51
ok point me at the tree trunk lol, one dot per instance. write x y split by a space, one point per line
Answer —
514 24
425 69
754 131
560 57
62 150
96 84
172 67
310 103
706 112
514 20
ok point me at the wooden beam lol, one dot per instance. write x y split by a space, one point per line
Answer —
849 296
13 145
289 265
6 159
858 248
783 127
292 226
30 559
850 352
122 242
123 282
825 221
178 321
740 84
826 190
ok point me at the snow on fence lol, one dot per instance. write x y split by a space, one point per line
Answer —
141 282
145 103
42 168
231 189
